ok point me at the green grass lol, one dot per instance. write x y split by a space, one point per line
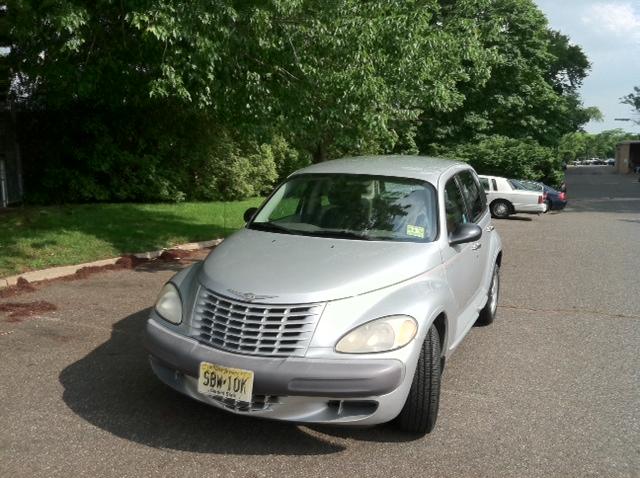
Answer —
37 237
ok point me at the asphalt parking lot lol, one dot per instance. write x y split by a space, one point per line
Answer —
552 388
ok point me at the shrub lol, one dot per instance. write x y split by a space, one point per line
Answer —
513 158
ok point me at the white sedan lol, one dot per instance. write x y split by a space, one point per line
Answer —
510 196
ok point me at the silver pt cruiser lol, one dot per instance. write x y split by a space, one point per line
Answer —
340 299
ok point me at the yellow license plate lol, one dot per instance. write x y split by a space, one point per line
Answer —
224 382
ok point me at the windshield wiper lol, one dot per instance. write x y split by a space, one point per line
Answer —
342 235
271 227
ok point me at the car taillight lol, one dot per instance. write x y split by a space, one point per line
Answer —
540 199
563 196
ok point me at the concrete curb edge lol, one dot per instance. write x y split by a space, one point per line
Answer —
63 271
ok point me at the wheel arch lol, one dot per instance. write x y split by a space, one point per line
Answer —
440 323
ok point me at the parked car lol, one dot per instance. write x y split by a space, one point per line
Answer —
555 200
340 300
510 196
611 162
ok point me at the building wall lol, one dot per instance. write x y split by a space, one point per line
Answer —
622 158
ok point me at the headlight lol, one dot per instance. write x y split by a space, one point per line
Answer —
380 335
169 305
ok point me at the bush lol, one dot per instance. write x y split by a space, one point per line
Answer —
155 154
512 158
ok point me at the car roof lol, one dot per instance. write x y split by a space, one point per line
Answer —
490 177
416 167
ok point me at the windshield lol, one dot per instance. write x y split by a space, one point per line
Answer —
353 207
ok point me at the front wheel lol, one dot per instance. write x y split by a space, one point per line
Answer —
421 408
488 313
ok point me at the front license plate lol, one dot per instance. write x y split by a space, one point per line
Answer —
225 382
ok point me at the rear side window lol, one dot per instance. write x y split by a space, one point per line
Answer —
484 182
473 194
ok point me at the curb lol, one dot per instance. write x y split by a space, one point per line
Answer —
63 271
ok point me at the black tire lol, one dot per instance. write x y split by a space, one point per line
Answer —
490 310
420 411
500 209
549 205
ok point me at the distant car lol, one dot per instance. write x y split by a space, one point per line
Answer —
510 196
611 162
554 199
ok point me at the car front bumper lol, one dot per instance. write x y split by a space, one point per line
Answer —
362 391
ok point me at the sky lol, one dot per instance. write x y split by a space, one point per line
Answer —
609 33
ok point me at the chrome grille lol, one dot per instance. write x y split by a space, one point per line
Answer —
253 329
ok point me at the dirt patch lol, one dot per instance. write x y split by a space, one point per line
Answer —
19 311
22 286
130 262
174 255
125 262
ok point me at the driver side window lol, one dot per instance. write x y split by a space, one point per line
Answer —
455 209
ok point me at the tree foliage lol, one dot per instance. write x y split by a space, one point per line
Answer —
633 100
581 145
512 158
532 89
162 99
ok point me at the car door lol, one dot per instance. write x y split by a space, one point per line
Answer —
460 261
476 202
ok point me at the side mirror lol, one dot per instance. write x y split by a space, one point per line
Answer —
465 233
249 213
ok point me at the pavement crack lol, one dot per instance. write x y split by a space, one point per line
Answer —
573 311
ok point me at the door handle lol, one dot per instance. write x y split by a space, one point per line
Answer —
475 246
490 228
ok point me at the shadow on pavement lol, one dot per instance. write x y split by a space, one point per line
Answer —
518 218
114 389
386 433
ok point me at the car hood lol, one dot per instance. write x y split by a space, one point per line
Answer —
292 269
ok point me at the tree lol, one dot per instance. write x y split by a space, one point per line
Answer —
338 76
330 78
341 74
581 145
5 44
512 158
569 66
154 99
532 88
633 99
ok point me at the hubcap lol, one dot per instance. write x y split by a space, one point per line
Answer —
494 292
500 209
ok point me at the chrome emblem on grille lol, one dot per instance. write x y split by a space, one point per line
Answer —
250 297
